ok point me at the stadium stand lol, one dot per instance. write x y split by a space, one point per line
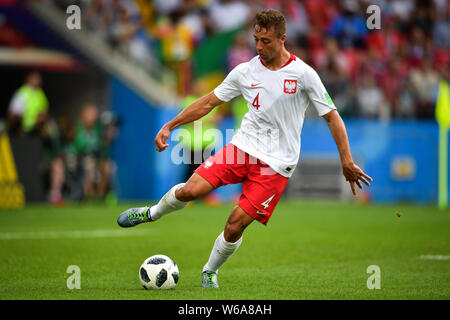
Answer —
358 65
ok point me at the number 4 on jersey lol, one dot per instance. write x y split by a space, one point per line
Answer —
255 102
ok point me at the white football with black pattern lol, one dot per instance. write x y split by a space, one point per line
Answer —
159 272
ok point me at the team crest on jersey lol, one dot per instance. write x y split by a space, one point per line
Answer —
290 86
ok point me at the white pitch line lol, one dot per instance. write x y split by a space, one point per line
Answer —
75 234
434 257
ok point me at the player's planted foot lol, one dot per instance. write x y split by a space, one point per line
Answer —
134 216
209 279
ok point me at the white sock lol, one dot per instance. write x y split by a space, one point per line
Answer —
167 204
220 253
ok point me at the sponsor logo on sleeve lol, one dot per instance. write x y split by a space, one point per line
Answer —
327 96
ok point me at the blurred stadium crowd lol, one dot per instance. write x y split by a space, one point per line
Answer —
388 73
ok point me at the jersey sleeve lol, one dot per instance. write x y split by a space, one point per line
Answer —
230 87
317 93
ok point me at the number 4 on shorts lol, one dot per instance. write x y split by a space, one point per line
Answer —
266 203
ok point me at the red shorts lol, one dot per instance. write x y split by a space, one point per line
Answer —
262 187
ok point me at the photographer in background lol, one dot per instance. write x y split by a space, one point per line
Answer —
28 109
91 144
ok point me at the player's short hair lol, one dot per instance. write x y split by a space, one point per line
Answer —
269 18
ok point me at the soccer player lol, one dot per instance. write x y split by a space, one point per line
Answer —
262 155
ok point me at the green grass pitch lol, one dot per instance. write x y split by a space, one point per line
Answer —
309 250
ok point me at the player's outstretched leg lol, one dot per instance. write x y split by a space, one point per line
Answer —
226 244
175 199
168 203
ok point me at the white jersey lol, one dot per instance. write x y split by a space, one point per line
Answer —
277 101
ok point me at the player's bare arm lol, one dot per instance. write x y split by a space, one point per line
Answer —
194 111
352 173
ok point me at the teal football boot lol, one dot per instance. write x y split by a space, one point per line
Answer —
134 216
209 279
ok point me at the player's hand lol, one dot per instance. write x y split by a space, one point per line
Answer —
353 174
161 139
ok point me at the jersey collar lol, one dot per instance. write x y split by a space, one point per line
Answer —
291 58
